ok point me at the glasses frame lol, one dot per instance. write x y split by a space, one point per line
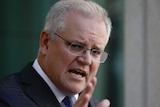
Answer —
104 54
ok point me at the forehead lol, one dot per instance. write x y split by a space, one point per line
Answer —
85 28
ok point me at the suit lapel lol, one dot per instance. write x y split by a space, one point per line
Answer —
36 88
38 91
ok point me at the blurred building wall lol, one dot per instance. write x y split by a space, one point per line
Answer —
142 53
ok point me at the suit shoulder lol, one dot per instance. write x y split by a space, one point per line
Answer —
9 83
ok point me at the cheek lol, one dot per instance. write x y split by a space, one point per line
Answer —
93 71
60 59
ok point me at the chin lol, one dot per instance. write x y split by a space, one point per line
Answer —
75 90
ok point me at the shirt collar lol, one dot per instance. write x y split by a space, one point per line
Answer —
59 95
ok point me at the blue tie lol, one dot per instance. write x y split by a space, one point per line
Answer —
68 101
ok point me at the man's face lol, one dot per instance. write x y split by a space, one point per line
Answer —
68 72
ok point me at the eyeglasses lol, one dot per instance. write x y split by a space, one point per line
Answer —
77 49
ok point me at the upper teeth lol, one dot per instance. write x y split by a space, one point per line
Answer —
78 72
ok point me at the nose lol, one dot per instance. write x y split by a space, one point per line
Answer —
86 58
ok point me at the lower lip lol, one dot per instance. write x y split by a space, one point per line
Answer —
76 77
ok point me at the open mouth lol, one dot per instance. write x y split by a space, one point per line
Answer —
78 73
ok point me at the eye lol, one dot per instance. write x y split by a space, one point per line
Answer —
96 52
76 47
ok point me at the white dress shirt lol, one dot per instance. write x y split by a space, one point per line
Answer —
59 95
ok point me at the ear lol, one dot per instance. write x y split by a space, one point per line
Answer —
44 41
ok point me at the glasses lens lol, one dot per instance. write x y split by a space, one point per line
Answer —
79 50
103 57
76 49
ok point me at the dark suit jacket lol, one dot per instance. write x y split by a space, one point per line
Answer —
28 89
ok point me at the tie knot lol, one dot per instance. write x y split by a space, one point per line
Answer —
68 101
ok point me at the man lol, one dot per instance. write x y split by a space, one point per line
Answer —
71 49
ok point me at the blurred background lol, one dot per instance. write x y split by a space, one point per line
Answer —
129 77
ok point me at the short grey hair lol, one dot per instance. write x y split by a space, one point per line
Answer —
56 15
